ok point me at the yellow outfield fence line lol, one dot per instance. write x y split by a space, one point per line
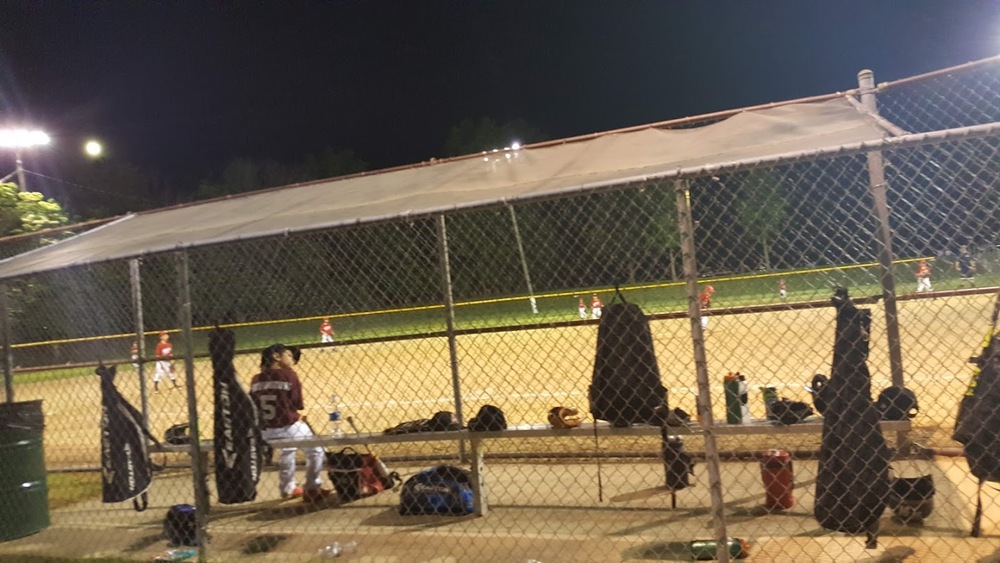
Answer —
660 285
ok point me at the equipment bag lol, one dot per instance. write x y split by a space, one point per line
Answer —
443 489
126 470
357 475
626 386
489 419
180 526
678 465
238 444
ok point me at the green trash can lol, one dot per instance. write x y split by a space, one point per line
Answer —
24 495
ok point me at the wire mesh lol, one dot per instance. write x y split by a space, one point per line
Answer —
516 317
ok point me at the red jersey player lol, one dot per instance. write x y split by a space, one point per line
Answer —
164 362
582 307
782 290
706 302
596 307
277 393
326 331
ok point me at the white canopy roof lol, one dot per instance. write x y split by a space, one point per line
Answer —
504 176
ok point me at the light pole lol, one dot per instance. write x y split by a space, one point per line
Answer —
19 139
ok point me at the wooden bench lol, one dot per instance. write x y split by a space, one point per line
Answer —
810 426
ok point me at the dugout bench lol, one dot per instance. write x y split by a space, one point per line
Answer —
477 449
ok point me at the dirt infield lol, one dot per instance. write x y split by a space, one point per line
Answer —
527 372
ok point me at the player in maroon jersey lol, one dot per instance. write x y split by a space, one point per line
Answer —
277 392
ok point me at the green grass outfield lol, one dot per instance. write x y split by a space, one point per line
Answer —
730 291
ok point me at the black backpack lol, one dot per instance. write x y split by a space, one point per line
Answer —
626 386
897 403
852 480
977 426
180 527
490 418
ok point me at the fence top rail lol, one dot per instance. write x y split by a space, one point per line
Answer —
884 86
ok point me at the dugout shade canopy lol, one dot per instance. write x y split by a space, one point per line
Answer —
532 172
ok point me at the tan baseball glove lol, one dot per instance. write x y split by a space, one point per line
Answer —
564 417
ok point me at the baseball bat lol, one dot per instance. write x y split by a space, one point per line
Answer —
383 471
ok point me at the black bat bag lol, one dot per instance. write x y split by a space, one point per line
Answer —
852 482
126 470
626 386
238 442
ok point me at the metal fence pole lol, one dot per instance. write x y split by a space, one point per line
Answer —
876 178
712 460
197 468
135 279
8 360
449 306
524 261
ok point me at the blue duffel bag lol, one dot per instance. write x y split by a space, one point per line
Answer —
442 489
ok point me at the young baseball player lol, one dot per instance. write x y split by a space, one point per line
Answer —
134 352
582 307
277 393
164 362
923 276
326 332
706 302
966 266
596 307
782 290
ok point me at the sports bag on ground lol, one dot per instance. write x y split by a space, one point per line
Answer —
180 526
678 466
626 386
443 489
357 475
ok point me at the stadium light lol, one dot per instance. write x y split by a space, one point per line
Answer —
93 148
18 139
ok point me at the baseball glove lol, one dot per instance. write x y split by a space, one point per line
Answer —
564 417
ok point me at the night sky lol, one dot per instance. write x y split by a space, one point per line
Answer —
182 87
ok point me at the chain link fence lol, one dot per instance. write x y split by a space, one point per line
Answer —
503 306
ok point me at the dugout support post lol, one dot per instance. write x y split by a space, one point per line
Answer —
8 360
449 307
135 279
199 474
685 223
878 186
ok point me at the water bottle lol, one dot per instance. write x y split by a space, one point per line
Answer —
336 549
177 555
334 411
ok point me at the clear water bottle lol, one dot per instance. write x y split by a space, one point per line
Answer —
335 417
336 549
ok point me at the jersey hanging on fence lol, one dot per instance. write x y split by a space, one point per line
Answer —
853 476
626 386
239 446
126 470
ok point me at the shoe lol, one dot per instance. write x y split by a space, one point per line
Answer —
315 495
296 493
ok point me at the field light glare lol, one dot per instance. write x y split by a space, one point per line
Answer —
22 138
93 148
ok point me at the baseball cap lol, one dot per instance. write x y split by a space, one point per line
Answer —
163 333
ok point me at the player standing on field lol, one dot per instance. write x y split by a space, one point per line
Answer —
923 276
134 352
326 331
582 307
277 393
966 266
596 307
782 290
164 362
706 303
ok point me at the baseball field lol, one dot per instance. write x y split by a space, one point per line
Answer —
526 372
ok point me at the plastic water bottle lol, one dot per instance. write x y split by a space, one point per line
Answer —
335 418
336 549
